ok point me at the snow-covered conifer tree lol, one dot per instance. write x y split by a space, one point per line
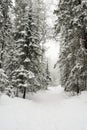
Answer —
5 38
28 36
71 22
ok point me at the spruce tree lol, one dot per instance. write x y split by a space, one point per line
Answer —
5 39
71 23
48 76
28 37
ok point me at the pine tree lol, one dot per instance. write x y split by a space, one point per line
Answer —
43 74
21 79
20 73
5 39
28 37
48 76
42 28
72 25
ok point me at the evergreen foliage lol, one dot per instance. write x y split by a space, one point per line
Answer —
71 23
21 52
5 41
28 37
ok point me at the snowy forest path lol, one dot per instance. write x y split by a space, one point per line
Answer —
46 110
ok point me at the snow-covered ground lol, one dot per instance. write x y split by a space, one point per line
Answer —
46 110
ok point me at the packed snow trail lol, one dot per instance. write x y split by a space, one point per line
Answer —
46 110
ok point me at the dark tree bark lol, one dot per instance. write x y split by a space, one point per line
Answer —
24 93
79 1
77 89
85 82
17 92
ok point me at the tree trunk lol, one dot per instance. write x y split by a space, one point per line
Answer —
24 93
17 92
77 87
85 83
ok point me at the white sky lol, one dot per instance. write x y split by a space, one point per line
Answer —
13 2
51 6
52 45
52 50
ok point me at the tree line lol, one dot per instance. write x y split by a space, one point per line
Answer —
71 24
23 66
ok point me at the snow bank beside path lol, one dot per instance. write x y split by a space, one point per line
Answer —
46 110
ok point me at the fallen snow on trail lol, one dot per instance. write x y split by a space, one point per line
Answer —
45 110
